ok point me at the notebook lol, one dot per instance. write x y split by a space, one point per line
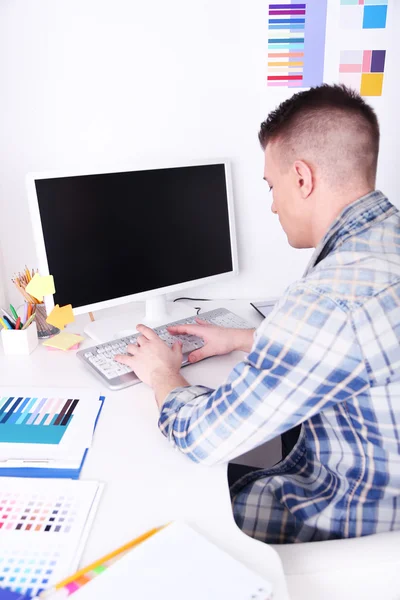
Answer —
176 563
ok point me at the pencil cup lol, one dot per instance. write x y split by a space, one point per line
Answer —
44 329
16 341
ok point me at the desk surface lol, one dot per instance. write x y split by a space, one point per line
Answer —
149 483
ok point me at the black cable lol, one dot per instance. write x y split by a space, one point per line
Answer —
198 308
198 299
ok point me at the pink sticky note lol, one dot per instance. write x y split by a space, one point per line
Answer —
76 347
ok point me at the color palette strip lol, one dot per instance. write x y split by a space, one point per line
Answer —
296 43
35 420
363 14
363 70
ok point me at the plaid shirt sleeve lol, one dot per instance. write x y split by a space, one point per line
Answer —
305 358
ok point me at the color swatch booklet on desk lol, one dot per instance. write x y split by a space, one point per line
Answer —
44 524
46 428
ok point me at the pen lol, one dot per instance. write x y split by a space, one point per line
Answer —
4 324
11 324
13 312
18 323
25 312
9 317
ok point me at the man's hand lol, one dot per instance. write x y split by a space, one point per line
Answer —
217 340
152 359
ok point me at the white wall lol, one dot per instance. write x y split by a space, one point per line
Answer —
2 283
95 83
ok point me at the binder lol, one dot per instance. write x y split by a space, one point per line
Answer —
37 472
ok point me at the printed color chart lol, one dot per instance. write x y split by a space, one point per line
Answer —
36 513
363 14
35 420
31 571
43 527
363 70
296 43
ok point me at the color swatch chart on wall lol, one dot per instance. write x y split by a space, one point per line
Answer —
296 43
363 14
363 70
43 527
35 420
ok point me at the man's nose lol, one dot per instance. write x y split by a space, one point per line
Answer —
273 208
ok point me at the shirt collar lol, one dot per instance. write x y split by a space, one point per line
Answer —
354 218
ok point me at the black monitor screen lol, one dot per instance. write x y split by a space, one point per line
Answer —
115 234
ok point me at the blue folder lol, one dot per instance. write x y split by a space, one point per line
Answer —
49 473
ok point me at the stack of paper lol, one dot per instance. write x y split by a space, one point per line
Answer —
44 525
64 341
46 432
175 564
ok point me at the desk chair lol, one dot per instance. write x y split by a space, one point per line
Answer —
366 568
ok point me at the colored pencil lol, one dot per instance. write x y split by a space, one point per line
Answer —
100 562
29 321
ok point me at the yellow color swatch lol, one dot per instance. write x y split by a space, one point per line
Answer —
63 341
371 84
40 286
286 64
60 317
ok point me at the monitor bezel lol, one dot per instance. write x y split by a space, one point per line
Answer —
140 296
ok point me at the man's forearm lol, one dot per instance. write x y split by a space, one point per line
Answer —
244 339
164 383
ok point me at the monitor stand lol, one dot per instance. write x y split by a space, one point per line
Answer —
154 312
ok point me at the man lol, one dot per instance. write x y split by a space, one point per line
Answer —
326 358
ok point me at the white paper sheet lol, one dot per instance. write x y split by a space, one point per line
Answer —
44 525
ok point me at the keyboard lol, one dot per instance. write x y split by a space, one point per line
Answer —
100 359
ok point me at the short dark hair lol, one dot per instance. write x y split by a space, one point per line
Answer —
313 112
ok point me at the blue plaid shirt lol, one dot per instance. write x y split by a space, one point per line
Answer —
327 357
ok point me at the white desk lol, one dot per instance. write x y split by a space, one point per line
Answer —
145 477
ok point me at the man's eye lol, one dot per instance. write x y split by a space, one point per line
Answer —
270 188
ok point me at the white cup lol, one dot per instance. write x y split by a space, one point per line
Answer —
17 341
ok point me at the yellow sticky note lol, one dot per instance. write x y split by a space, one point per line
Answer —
41 286
60 317
371 84
63 341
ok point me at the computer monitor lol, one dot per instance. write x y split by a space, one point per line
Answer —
114 237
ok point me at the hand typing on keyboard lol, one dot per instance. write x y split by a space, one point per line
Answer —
218 332
150 357
217 340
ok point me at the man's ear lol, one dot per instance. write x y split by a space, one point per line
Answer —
304 178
